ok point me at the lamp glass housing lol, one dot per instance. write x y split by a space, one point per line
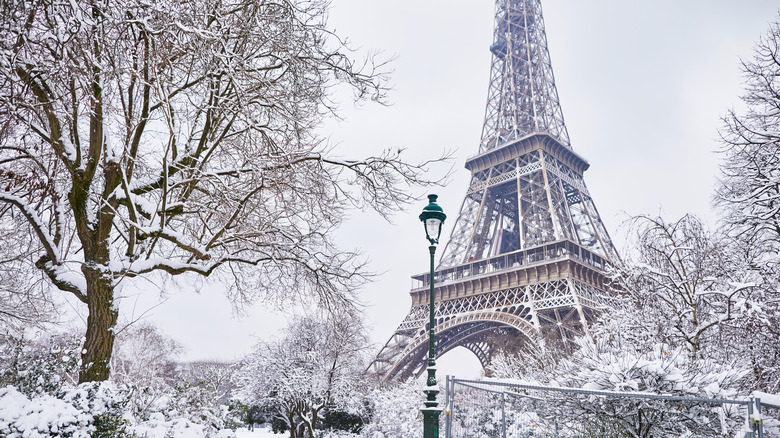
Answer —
433 228
432 218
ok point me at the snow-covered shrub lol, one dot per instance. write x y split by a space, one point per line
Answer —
335 433
615 367
41 416
394 411
90 410
38 366
107 406
156 426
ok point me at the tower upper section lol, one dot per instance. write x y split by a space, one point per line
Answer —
522 98
527 189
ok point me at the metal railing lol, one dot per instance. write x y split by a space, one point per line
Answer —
540 255
508 409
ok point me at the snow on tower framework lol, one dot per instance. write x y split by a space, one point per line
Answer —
528 255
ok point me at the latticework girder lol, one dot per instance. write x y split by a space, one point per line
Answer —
529 255
478 336
559 308
522 195
522 97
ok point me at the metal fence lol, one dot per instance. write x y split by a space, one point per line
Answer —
509 409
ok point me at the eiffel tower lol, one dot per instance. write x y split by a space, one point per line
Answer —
528 256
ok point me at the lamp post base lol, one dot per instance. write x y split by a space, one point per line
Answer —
431 422
431 408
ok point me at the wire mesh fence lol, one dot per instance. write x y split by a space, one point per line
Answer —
501 409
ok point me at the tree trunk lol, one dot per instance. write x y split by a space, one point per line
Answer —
99 343
291 423
313 425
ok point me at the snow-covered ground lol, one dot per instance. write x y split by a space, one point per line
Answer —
259 432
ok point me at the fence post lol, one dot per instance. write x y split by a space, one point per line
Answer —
503 414
759 418
449 396
751 426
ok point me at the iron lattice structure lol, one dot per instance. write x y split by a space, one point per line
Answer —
528 256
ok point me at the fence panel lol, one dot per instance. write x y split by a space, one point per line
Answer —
503 409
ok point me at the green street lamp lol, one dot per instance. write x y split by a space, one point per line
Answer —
432 217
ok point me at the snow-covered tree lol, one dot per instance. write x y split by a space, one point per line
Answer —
749 188
681 272
537 362
178 137
748 196
702 290
144 360
316 365
204 394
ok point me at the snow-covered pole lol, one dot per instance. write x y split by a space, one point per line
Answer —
503 414
758 419
754 422
449 401
432 217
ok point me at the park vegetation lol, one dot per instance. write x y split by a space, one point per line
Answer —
144 140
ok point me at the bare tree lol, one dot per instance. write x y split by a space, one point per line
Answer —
748 195
749 188
144 359
178 137
682 274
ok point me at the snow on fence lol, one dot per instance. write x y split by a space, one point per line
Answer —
509 409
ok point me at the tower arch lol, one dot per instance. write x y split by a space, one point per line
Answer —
477 332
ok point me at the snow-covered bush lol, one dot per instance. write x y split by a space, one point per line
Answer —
107 406
38 366
90 410
157 426
609 366
41 416
394 411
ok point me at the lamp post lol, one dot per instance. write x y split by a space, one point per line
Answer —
432 217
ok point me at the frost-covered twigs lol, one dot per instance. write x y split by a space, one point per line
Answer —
748 192
181 140
684 273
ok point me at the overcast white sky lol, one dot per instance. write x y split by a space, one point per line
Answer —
642 86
